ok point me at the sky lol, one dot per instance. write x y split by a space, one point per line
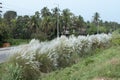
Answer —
108 9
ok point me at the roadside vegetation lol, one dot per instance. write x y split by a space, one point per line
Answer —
91 57
16 42
104 64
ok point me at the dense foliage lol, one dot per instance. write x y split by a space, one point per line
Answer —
43 25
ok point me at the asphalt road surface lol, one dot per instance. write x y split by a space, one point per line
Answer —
4 54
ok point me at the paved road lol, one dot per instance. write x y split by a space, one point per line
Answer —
4 54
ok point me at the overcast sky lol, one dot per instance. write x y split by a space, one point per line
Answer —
108 9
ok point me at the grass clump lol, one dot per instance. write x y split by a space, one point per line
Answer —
103 65
116 38
37 57
12 72
24 67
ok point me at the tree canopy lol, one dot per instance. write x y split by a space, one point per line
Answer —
43 25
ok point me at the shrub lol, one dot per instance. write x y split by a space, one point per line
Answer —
92 30
116 41
37 57
116 38
102 29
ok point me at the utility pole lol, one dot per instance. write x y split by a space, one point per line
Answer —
57 20
98 27
0 9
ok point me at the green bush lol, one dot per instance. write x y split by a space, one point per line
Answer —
41 36
116 41
92 30
102 29
1 44
116 38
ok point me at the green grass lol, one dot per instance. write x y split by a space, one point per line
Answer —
1 65
105 64
15 42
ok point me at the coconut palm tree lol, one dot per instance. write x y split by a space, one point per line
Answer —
56 20
45 12
66 16
66 21
96 20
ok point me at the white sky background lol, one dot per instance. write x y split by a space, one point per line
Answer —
108 9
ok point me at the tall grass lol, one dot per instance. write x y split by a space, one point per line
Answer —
62 51
37 57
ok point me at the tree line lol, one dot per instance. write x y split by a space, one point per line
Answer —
43 25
